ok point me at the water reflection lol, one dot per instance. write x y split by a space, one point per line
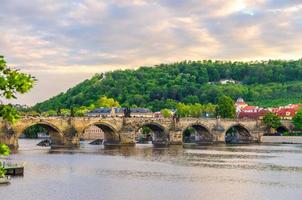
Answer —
216 156
144 172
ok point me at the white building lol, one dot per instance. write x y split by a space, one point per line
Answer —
93 133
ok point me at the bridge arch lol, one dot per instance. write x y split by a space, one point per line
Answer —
158 133
238 134
282 129
197 133
111 135
55 134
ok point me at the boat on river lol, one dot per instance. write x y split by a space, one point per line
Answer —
17 170
13 169
45 143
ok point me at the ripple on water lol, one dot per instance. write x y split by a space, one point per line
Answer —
143 172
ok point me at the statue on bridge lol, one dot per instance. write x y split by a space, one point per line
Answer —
127 112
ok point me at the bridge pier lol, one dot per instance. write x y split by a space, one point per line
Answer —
175 137
257 136
66 142
220 137
127 138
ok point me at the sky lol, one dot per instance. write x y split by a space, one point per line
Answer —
63 42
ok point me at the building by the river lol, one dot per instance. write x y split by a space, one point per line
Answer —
245 111
93 133
119 112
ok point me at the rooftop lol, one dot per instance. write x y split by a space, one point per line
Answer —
119 110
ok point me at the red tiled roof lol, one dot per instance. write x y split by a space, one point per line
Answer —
287 112
296 106
249 108
253 115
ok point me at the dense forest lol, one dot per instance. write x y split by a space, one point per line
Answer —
265 83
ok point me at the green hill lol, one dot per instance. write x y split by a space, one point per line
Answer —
266 83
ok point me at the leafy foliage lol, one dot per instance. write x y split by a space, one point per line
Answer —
271 120
166 113
12 82
297 119
146 130
81 111
195 110
32 132
265 83
226 107
65 112
2 172
4 151
9 113
108 102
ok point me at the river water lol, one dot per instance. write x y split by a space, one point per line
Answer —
143 172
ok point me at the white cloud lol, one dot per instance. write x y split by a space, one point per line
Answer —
73 39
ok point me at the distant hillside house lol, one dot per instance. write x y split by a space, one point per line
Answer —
226 81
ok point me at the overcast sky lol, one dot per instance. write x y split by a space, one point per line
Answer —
63 42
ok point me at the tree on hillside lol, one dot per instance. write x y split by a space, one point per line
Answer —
297 119
166 113
226 107
182 110
209 110
12 82
196 110
191 99
59 113
108 102
271 120
80 112
51 113
65 112
164 85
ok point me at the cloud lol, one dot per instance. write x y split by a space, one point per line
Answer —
77 38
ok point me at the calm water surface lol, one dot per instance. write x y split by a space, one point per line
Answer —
143 172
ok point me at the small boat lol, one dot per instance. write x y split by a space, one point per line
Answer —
97 142
14 169
44 143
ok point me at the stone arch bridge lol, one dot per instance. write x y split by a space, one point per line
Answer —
67 131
